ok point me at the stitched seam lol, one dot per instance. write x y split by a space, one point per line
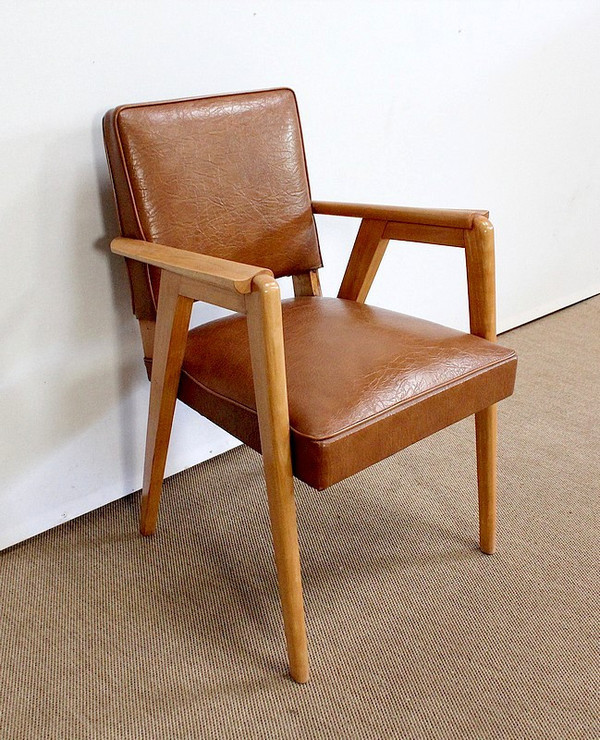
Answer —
216 394
413 399
405 402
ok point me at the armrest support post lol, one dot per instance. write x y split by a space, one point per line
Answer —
481 282
307 283
366 256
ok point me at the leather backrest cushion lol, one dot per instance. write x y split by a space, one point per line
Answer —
224 175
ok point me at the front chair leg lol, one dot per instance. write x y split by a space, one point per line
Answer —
486 434
172 324
270 388
479 252
282 514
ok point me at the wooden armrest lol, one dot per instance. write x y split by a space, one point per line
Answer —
455 219
211 271
468 229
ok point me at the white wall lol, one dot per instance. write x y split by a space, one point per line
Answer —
458 104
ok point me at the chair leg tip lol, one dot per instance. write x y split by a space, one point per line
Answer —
299 676
148 521
147 528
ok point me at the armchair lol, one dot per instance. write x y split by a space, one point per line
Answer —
322 387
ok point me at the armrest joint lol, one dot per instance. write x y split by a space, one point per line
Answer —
202 276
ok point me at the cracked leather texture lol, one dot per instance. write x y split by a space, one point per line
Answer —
363 382
224 176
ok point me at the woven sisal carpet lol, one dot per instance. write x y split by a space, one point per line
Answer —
413 633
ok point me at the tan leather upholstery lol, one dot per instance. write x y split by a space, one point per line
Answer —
363 382
224 175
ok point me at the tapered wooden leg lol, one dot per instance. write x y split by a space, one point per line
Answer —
282 512
268 366
486 433
172 323
479 251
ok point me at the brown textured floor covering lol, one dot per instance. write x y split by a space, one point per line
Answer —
413 633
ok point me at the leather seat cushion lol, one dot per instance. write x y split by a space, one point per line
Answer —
363 382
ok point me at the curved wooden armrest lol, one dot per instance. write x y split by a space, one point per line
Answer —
455 219
211 271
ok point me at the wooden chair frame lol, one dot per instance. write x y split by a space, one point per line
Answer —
188 276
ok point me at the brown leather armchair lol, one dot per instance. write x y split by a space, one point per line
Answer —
323 387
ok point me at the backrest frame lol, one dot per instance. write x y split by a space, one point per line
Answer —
283 236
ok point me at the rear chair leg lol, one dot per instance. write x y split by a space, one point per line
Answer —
172 324
486 434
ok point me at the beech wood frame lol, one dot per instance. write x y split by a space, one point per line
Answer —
188 276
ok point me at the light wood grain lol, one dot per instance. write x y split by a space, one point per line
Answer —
425 234
307 283
365 258
479 253
214 271
172 324
460 219
481 281
217 295
486 438
147 331
265 330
